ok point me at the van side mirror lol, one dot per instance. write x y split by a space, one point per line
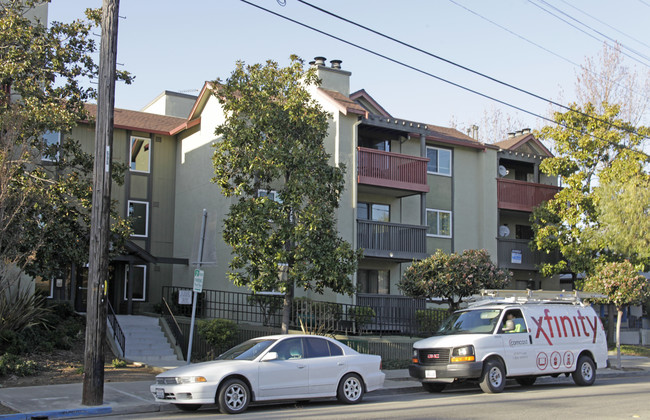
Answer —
270 356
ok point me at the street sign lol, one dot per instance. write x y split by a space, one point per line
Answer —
198 281
185 297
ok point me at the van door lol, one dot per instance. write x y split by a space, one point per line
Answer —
515 334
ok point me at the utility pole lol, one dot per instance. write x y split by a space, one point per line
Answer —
93 384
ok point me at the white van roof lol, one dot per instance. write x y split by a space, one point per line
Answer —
505 296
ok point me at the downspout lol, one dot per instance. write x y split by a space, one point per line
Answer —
355 196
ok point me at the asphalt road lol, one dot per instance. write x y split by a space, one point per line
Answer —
549 398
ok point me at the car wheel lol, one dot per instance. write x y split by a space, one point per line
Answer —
233 397
585 373
188 407
433 386
526 380
350 389
493 379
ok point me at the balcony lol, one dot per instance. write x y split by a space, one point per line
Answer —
515 254
522 195
391 240
402 174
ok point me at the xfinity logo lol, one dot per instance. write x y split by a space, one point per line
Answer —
433 356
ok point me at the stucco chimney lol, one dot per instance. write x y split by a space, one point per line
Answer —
333 78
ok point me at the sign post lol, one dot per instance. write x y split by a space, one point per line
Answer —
198 284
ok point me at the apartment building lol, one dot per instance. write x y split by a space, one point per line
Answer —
410 188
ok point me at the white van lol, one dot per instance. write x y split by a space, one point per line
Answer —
521 337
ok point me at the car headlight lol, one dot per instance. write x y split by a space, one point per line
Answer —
462 354
416 357
190 379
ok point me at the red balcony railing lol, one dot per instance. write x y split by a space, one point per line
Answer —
392 170
522 195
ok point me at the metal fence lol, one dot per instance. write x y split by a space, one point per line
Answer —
373 314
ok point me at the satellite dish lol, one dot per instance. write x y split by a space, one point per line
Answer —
502 170
504 231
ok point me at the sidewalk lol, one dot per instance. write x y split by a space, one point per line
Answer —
61 401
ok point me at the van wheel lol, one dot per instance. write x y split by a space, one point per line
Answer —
433 386
493 379
585 373
526 380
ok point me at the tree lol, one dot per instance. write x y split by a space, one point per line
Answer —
493 127
622 209
453 276
591 149
45 188
271 158
623 286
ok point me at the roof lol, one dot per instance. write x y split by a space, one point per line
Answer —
346 105
515 142
141 121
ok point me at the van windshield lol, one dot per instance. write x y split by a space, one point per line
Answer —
470 322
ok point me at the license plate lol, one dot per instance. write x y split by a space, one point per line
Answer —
160 393
430 374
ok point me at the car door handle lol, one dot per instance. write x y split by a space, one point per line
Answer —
341 364
301 366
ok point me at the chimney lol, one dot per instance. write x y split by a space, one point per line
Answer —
333 78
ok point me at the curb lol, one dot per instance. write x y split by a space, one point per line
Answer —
78 412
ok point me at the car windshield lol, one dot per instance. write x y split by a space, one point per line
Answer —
248 350
470 322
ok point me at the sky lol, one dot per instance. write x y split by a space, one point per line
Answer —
177 46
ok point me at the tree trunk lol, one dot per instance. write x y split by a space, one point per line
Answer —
618 336
286 310
611 323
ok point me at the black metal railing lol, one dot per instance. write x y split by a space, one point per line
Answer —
175 329
373 314
118 334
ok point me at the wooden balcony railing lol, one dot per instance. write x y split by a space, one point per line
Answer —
391 240
522 195
516 254
392 170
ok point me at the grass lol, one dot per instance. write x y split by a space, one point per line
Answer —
631 350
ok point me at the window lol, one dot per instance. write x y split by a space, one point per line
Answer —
373 281
439 223
51 138
373 211
523 232
44 287
139 282
140 154
289 349
139 214
271 194
319 347
439 161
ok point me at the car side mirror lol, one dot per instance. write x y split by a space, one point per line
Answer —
270 356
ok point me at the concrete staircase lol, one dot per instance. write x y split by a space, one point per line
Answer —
145 341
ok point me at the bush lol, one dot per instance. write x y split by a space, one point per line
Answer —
219 333
117 363
429 320
10 364
362 315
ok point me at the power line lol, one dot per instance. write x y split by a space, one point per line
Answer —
583 31
410 67
604 23
458 65
544 48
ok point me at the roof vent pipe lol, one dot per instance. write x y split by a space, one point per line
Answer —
336 64
526 131
511 135
320 61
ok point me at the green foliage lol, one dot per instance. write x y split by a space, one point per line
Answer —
21 309
620 282
453 276
429 320
45 204
221 334
58 328
268 304
10 364
272 140
316 317
118 363
588 152
361 315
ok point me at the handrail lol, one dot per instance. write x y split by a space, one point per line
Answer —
174 327
118 334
